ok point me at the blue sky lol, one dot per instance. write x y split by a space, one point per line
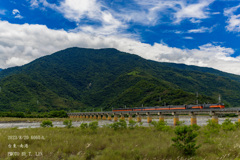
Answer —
203 33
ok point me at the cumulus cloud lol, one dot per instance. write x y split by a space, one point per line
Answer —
193 12
20 44
233 19
17 14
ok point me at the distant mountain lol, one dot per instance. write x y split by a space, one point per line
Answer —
203 69
82 79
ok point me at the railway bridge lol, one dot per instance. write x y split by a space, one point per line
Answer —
108 115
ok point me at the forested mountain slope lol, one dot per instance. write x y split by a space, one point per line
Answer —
82 79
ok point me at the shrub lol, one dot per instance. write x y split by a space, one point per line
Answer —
211 129
122 124
180 123
67 123
84 126
93 125
185 140
227 125
160 125
237 124
132 124
46 123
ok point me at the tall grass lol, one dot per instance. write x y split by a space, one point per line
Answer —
107 143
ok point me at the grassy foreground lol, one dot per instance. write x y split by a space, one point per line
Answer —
106 143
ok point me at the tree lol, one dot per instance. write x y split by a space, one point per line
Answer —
185 140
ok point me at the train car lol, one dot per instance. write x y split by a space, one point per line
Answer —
196 106
177 107
161 108
122 109
213 106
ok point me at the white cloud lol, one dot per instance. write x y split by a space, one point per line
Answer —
20 44
201 30
193 12
187 37
108 21
233 20
2 12
15 11
17 14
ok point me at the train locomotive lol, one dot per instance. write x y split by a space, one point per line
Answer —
173 107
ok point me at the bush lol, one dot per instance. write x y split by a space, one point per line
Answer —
185 140
237 124
93 125
46 123
122 124
160 125
227 125
67 123
132 124
211 129
84 126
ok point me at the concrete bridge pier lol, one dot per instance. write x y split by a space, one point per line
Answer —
238 113
161 116
214 117
115 117
193 118
87 116
90 116
175 118
94 116
99 116
139 118
84 116
149 118
81 116
104 117
109 117
122 117
129 117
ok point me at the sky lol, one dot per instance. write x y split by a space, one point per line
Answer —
203 33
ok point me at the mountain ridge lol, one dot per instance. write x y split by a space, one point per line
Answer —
82 79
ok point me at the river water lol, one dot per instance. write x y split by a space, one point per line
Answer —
201 120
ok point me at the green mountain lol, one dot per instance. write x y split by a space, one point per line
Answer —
83 79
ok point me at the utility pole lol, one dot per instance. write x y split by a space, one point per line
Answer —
219 98
197 97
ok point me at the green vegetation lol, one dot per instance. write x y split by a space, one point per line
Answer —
92 126
28 114
93 142
83 79
160 125
185 139
67 123
122 124
46 123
